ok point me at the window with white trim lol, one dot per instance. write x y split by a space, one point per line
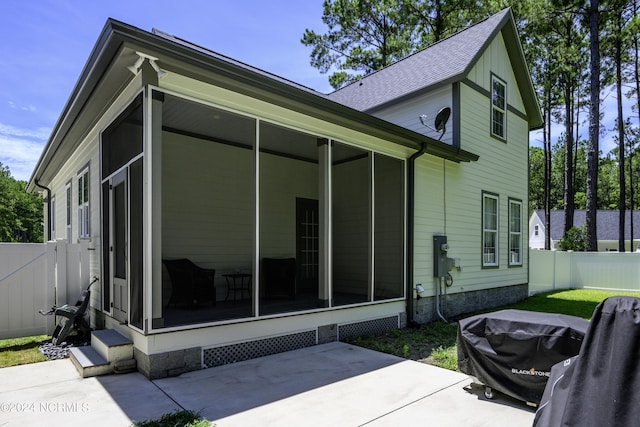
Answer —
515 232
489 230
52 217
68 212
498 108
83 204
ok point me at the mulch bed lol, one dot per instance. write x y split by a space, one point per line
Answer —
60 351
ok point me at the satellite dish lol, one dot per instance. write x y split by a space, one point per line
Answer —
441 119
440 122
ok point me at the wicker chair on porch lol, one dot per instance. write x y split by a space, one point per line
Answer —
191 285
279 276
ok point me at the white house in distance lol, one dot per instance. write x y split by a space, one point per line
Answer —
607 226
230 213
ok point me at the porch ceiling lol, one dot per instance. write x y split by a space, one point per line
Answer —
207 123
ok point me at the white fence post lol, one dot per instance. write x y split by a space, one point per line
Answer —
61 272
77 262
49 282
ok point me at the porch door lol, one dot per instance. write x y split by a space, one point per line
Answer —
307 240
119 245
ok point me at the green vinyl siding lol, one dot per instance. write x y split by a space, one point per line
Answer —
495 60
449 195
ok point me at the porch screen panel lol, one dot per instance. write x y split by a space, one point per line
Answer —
120 231
388 227
351 220
136 243
208 211
289 175
122 140
106 259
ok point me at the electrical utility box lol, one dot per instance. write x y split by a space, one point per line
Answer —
441 262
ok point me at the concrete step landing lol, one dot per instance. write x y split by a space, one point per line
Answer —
110 352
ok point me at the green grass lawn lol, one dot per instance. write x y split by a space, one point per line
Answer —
176 419
435 343
19 351
575 302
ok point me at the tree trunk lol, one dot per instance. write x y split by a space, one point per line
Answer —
547 172
622 181
631 197
594 128
636 75
568 157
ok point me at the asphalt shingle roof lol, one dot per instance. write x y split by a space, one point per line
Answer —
606 223
447 60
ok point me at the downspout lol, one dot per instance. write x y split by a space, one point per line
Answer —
410 232
48 190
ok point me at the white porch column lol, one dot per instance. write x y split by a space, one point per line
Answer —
324 205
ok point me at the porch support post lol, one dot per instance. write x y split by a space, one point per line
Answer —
153 159
324 205
372 222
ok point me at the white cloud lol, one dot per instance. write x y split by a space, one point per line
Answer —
41 133
29 108
20 149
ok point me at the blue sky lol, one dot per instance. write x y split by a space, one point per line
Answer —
44 45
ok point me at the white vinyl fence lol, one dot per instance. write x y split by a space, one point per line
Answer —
35 276
614 271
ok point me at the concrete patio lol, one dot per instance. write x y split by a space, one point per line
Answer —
330 384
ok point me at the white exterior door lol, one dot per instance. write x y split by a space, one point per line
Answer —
119 246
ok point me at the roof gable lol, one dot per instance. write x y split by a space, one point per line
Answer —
444 62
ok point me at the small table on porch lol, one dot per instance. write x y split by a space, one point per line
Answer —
238 282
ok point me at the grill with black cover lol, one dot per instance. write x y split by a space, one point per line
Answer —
601 386
512 351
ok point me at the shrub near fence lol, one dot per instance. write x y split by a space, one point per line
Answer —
611 271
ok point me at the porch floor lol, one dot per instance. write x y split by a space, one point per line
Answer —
240 308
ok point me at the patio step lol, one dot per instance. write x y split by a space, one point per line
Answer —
88 362
110 352
111 345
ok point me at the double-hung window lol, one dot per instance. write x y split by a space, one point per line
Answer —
515 232
52 218
489 230
83 204
68 192
498 108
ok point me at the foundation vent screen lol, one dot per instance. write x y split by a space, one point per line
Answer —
368 327
218 356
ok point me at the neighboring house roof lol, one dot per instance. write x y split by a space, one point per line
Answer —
444 62
606 223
